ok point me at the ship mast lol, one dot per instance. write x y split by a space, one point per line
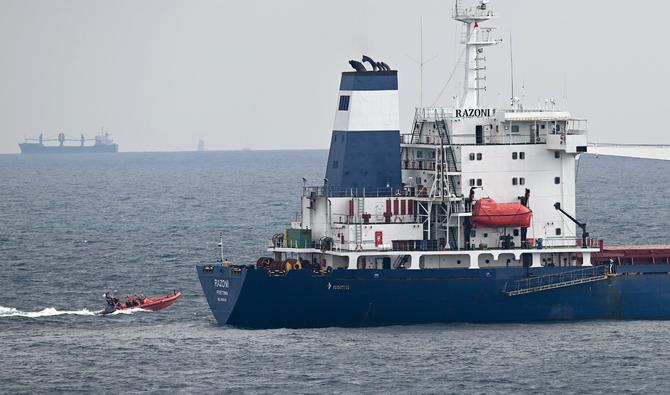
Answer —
475 38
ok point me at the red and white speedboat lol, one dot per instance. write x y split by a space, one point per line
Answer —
152 304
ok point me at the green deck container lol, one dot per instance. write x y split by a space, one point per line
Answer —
298 238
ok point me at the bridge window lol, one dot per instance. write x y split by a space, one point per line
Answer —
522 155
515 129
479 182
557 155
514 181
472 156
522 181
514 155
516 233
479 156
344 103
557 180
558 231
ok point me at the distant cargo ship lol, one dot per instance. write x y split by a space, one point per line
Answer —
102 144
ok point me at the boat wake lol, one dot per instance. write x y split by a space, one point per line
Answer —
128 311
51 312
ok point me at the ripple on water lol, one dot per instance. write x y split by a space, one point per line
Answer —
139 222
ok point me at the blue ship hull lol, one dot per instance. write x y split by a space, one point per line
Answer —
33 148
251 298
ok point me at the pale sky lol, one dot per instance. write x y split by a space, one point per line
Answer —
161 74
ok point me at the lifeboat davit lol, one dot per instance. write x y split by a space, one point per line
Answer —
487 213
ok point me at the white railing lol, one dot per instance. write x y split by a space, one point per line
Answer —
471 13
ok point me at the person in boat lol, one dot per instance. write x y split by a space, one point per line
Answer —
136 300
111 302
128 302
141 298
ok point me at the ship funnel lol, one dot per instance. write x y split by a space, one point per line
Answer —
365 144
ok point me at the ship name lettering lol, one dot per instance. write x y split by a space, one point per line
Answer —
475 112
221 283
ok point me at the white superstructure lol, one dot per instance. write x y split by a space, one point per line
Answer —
449 160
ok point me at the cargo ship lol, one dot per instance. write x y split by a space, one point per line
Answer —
469 216
101 144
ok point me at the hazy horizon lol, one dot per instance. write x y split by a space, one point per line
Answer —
161 75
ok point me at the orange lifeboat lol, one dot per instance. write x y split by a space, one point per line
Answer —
487 213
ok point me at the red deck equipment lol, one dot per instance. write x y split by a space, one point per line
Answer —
487 213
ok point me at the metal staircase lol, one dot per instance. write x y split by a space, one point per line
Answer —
400 261
447 151
442 188
553 281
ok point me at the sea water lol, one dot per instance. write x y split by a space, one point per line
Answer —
74 226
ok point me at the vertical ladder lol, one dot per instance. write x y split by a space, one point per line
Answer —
360 206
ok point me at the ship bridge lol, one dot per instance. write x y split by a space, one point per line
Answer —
451 155
471 185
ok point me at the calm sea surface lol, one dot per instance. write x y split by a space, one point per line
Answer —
72 227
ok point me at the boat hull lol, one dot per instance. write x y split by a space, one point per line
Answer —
251 298
33 148
152 304
160 302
